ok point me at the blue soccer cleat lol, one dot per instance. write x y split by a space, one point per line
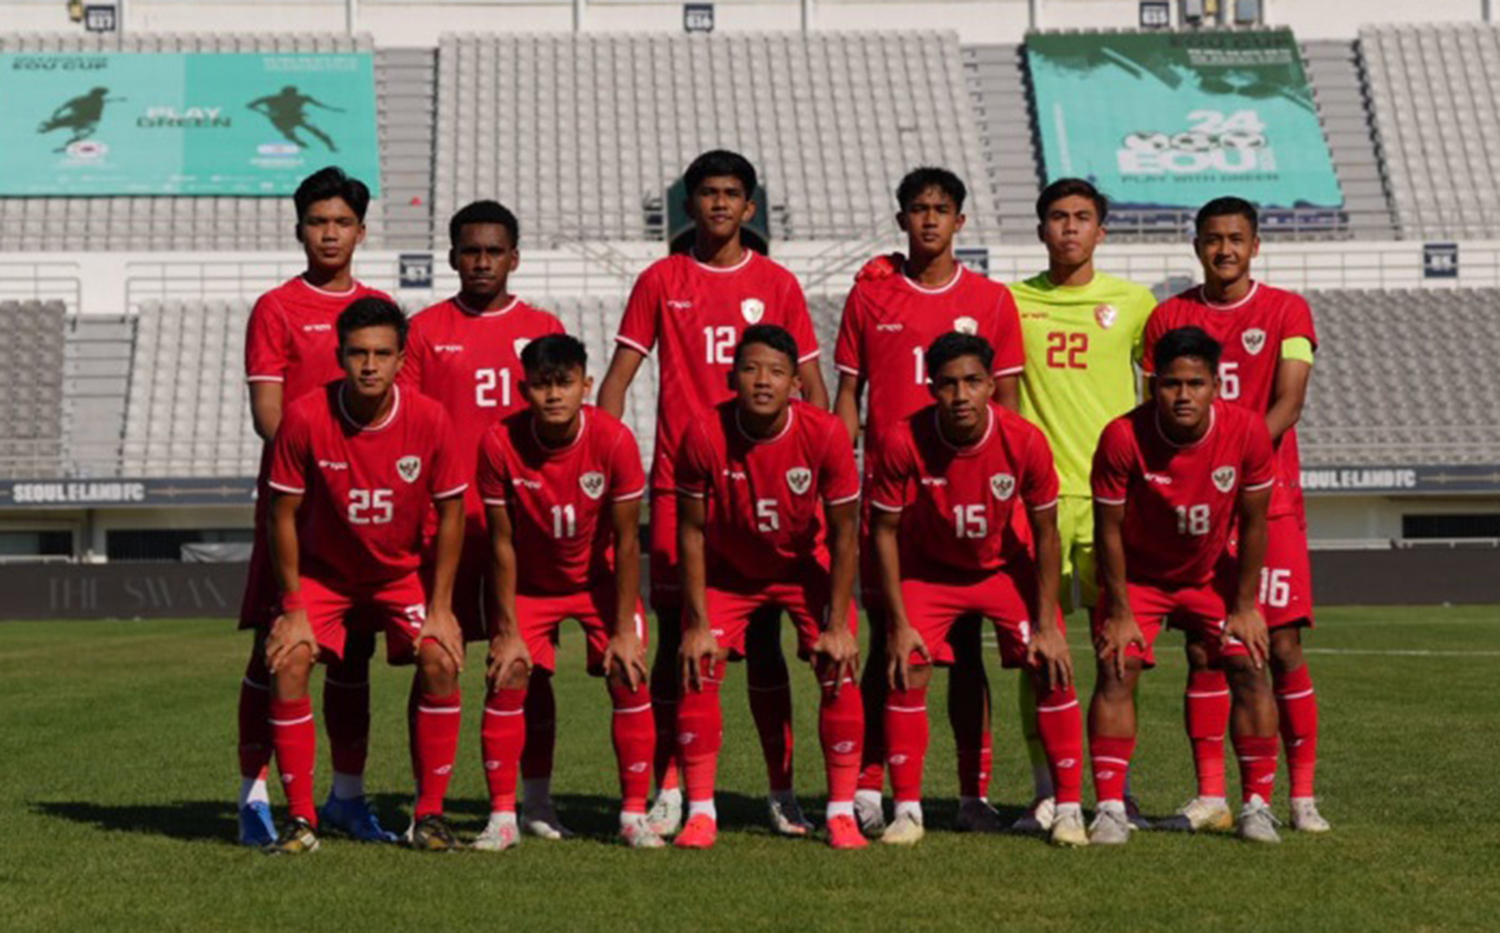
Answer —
354 819
256 826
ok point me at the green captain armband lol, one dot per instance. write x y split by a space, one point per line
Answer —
1297 348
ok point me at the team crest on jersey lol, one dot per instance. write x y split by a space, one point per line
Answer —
753 309
1003 485
519 344
1224 478
799 479
593 484
410 468
1106 315
966 325
1254 340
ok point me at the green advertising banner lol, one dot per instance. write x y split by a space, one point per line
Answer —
193 124
1176 119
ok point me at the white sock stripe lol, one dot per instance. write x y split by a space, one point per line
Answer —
489 711
347 685
1296 696
1056 709
906 709
265 688
1203 694
292 722
441 710
633 709
1114 761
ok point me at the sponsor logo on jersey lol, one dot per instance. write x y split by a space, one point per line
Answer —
934 481
332 465
519 344
447 348
316 328
734 474
1160 479
966 325
753 309
1254 340
592 483
1106 315
410 468
890 328
1003 485
526 483
678 304
1224 478
799 479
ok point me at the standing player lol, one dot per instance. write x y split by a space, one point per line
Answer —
562 483
763 479
465 353
1083 336
897 308
1268 340
291 349
696 306
946 530
1171 479
366 459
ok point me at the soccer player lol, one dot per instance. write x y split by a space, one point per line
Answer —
562 484
899 305
365 459
291 349
1171 479
1268 340
763 480
948 492
465 353
696 306
1083 337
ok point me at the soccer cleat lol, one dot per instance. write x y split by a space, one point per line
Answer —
354 819
541 821
977 816
1068 829
432 833
1133 814
869 810
665 816
500 833
1306 818
1038 817
1199 815
786 816
843 833
1257 823
1111 828
905 830
635 832
256 826
700 833
298 837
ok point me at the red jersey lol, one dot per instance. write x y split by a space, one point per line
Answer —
958 504
697 313
558 497
764 519
367 488
470 363
291 337
888 324
1180 501
1251 331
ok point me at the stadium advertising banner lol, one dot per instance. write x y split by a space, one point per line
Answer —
191 124
117 493
1173 120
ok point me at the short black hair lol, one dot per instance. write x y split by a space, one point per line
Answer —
1186 341
331 182
1228 207
371 311
718 163
1069 188
953 345
777 338
551 355
484 212
919 180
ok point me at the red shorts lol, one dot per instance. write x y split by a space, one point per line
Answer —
730 610
399 607
1197 610
932 608
666 579
541 616
1286 579
470 582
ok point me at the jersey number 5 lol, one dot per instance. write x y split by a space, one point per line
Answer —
969 521
1065 351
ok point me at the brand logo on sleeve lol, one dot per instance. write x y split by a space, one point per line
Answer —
519 344
966 325
447 348
1254 340
1003 485
410 468
799 479
592 483
1224 478
753 309
1106 315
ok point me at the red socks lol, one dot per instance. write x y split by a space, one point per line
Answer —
1257 756
841 726
700 733
346 715
296 741
1061 730
501 739
255 718
1206 707
771 708
541 726
1111 760
634 736
1297 705
436 733
906 736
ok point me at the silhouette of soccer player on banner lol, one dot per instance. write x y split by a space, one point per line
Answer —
287 112
81 115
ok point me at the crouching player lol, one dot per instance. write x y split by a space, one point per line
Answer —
562 485
1170 480
366 458
947 484
760 481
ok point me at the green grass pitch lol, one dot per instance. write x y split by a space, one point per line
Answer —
117 773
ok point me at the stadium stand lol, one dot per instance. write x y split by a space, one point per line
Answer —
405 87
995 76
31 419
97 368
1333 70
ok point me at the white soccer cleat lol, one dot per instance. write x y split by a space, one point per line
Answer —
786 815
541 821
1306 818
1068 830
1038 817
1257 823
665 816
635 832
1201 814
977 816
905 830
869 810
499 834
1111 827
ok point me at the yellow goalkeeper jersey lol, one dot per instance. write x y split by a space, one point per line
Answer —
1082 345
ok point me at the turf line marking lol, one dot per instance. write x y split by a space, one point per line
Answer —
1404 653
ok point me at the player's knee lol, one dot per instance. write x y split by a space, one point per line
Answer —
918 676
438 668
1112 686
1198 655
292 673
1286 649
1244 680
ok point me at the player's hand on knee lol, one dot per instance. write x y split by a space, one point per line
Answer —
442 628
290 630
699 648
508 661
1115 637
1248 627
625 657
901 645
1048 653
838 650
